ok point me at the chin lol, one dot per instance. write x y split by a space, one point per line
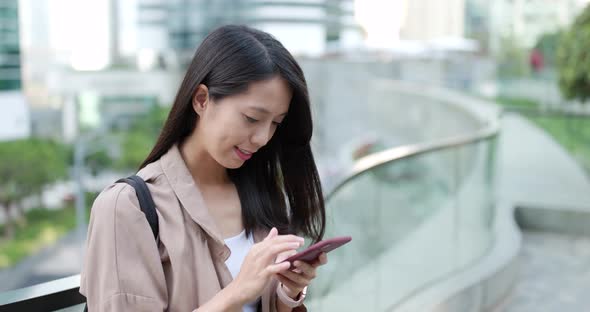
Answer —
232 164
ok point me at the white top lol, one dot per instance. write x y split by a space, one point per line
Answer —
239 246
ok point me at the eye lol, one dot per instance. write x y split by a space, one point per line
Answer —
250 119
276 123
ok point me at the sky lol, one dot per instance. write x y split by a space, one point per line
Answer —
79 29
381 19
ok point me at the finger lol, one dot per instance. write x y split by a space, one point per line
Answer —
296 278
321 260
277 268
286 238
275 249
281 257
270 253
306 269
272 233
287 282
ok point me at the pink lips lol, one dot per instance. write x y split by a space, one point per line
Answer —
242 155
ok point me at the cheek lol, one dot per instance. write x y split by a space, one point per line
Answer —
229 133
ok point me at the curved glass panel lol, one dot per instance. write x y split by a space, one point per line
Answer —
413 221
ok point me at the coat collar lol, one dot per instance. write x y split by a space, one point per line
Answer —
187 192
189 195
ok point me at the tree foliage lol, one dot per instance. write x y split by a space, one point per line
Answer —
26 166
573 59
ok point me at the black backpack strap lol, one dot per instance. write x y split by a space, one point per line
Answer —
146 202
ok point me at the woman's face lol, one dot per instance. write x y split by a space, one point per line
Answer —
235 127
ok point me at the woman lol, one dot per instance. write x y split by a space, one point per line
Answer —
232 169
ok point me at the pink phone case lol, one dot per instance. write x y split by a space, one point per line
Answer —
313 252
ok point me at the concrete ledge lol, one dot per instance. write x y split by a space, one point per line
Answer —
570 220
485 284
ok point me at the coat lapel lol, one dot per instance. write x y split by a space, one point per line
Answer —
188 193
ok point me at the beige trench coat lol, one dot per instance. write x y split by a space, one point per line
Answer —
126 270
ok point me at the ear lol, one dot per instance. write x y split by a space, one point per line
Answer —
201 99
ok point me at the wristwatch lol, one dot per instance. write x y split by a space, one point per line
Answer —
288 301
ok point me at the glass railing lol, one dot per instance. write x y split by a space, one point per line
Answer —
416 213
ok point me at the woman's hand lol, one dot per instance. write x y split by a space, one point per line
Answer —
293 281
259 264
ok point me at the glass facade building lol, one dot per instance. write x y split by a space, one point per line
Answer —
10 73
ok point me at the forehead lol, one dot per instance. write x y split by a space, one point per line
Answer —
272 95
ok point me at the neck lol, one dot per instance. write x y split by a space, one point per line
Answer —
203 168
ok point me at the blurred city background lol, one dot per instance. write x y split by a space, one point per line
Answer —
452 136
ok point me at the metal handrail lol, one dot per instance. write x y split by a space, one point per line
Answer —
54 295
385 157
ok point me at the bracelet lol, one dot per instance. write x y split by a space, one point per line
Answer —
288 301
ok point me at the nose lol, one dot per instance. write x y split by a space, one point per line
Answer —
262 135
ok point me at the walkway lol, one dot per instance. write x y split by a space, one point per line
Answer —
554 274
551 192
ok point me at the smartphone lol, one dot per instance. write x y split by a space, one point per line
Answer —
310 254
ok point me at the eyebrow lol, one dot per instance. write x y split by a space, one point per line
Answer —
264 110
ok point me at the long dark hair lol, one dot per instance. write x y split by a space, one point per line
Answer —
279 186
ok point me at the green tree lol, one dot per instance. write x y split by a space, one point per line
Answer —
573 59
26 166
99 161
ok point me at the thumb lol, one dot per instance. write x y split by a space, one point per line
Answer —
272 233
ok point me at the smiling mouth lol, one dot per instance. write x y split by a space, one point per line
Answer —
243 154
